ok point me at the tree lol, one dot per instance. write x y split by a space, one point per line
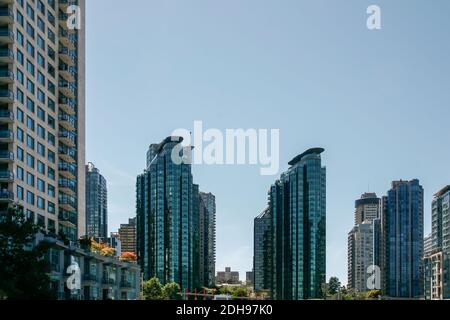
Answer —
23 268
333 285
152 289
171 291
374 294
128 257
239 292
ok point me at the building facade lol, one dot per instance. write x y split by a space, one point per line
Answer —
207 238
96 204
361 241
127 235
42 114
262 249
402 227
437 258
227 277
167 217
297 204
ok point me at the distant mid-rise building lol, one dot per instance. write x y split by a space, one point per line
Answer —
262 257
249 278
402 239
227 277
437 254
96 204
361 245
127 235
297 204
428 245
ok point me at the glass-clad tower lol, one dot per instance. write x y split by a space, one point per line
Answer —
96 204
42 113
262 258
297 204
207 239
402 228
167 217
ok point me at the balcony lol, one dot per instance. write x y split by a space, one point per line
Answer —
67 56
67 218
67 121
67 203
90 278
6 56
67 137
65 39
6 96
67 170
67 186
6 196
67 88
6 156
6 176
67 154
67 105
6 16
6 136
108 281
6 36
125 284
6 76
64 4
6 116
67 72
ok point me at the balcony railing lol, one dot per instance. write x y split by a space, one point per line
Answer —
6 195
6 53
8 94
6 135
6 115
68 168
6 175
6 155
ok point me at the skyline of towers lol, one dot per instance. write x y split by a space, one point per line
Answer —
96 203
297 207
42 115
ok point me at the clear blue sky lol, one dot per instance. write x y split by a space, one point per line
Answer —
377 101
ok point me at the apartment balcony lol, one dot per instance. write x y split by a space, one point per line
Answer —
67 154
6 156
67 203
67 121
64 4
6 196
125 284
67 170
6 76
6 96
67 88
6 176
65 39
108 282
67 137
67 105
90 278
6 56
67 73
6 36
67 56
6 16
6 116
6 136
67 186
68 219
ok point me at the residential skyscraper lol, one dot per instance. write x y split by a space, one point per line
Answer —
402 229
262 252
361 245
127 235
42 114
207 238
437 258
297 204
167 217
96 203
428 245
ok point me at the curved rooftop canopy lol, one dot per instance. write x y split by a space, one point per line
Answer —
308 152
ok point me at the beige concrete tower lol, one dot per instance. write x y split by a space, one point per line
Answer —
42 112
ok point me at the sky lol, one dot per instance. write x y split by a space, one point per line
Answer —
377 101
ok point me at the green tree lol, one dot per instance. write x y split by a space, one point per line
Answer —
23 268
333 285
152 289
239 292
171 291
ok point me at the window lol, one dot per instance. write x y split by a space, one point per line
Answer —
30 12
19 38
30 198
30 67
30 123
20 76
19 17
19 193
30 104
51 173
30 160
51 207
41 78
30 142
20 134
20 95
20 173
41 60
51 122
30 30
41 167
41 203
41 150
51 156
51 191
41 42
41 114
41 185
41 96
30 49
30 179
30 86
51 139
20 115
40 221
20 153
41 132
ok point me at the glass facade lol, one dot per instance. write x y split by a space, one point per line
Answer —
96 204
262 260
402 225
166 217
297 204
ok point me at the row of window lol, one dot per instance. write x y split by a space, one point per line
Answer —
32 199
32 163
